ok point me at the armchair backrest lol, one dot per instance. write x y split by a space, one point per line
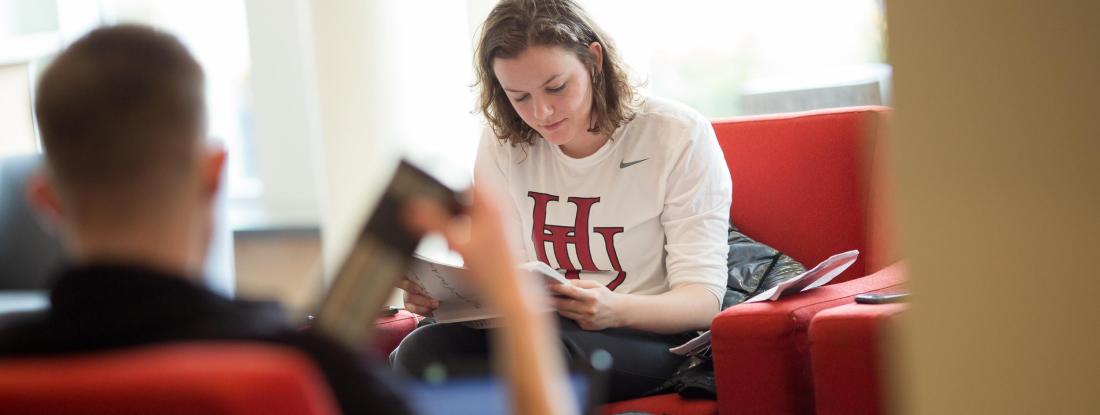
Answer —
197 378
812 184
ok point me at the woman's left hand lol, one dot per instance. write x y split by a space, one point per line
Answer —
589 303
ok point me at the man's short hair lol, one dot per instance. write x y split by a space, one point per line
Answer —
121 115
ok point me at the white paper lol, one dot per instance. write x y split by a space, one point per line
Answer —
692 345
458 301
815 277
446 283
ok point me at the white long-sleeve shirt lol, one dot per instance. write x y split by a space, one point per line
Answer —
645 213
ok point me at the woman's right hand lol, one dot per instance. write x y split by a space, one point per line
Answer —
416 299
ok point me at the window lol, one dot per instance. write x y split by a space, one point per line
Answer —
28 30
739 57
215 31
722 57
32 31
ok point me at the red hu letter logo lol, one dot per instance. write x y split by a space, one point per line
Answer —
577 235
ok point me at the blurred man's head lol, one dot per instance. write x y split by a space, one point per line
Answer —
121 117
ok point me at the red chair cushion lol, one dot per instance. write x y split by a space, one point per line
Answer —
761 350
847 347
800 181
391 329
220 379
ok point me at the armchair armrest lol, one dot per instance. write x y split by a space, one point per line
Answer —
762 351
390 330
851 368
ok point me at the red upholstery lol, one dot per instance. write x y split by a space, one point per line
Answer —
801 182
849 368
390 330
229 379
812 185
761 350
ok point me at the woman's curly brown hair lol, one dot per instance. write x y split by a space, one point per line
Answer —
515 25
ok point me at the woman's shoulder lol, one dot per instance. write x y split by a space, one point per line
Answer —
666 111
666 121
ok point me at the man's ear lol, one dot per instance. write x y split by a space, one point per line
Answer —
211 168
596 50
42 194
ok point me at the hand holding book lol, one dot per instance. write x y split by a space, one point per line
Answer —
479 231
528 338
479 237
417 299
413 204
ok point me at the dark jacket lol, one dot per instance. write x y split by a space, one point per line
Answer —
101 307
753 268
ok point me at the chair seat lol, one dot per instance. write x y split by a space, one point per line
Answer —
390 330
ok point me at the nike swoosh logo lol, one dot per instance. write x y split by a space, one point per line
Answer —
623 164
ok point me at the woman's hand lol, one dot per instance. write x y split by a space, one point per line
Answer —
589 303
526 345
416 299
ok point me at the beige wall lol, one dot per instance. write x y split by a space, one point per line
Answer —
998 148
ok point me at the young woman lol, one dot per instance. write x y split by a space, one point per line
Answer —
630 197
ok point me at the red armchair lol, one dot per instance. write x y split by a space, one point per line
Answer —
823 192
811 185
218 379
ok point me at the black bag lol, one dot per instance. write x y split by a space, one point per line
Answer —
753 268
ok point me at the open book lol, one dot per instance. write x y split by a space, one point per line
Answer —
458 302
815 277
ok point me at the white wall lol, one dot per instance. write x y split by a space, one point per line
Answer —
15 111
354 154
391 78
281 102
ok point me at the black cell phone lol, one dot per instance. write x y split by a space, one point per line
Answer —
881 298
